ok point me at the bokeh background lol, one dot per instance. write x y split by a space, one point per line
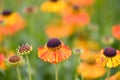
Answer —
91 36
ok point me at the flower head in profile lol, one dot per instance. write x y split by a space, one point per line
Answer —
14 60
11 22
54 51
53 6
108 57
116 31
24 49
2 61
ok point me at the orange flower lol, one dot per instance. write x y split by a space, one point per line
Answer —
116 31
108 57
53 6
2 63
88 64
59 31
82 2
54 51
10 23
85 69
76 17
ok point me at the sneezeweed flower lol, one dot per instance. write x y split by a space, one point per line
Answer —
24 49
82 2
2 62
84 69
88 64
11 22
54 6
116 31
76 16
16 61
108 57
55 31
54 51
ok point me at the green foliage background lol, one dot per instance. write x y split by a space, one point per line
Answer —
106 13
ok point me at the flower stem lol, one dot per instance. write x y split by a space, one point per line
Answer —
29 69
56 72
108 73
18 72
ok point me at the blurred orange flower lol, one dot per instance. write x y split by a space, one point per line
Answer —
108 57
10 23
82 2
60 31
2 61
76 17
85 69
54 51
88 64
53 6
116 31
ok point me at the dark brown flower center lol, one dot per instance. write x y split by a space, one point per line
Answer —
14 59
109 52
75 7
24 48
53 0
6 13
52 43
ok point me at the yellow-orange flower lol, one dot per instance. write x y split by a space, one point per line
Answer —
116 31
59 31
88 64
54 51
108 57
10 23
84 69
53 6
2 61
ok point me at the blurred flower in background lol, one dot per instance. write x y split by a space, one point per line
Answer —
59 31
88 64
2 61
11 22
54 6
116 31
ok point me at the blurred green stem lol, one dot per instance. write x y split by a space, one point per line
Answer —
108 73
29 69
18 72
56 72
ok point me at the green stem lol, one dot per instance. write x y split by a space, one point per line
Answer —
18 72
56 72
29 69
108 73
